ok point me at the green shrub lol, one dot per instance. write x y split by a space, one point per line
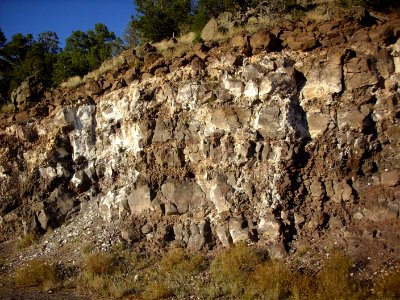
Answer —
198 39
38 273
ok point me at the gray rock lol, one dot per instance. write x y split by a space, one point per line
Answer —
223 235
187 196
81 181
210 30
29 92
237 231
139 200
269 122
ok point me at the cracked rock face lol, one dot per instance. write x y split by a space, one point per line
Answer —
280 147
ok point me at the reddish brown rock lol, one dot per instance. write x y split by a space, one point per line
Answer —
197 64
93 88
131 75
390 178
358 73
241 44
360 36
301 41
264 41
386 34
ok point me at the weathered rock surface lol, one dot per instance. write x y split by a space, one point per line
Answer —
264 146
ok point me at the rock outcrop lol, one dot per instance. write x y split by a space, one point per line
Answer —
286 138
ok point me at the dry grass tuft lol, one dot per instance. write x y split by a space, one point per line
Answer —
388 287
334 279
170 48
97 264
174 275
157 290
72 82
108 65
231 269
26 241
38 273
7 108
272 280
115 275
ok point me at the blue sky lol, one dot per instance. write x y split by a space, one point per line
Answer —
63 16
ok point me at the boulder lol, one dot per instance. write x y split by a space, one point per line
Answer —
324 77
303 41
131 75
358 73
139 200
317 123
30 91
210 30
241 44
81 181
186 196
264 41
390 178
93 88
269 122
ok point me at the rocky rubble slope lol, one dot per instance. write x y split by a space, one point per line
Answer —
287 138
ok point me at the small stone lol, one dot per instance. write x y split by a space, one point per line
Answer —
390 178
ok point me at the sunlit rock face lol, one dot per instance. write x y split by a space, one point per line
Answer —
275 148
